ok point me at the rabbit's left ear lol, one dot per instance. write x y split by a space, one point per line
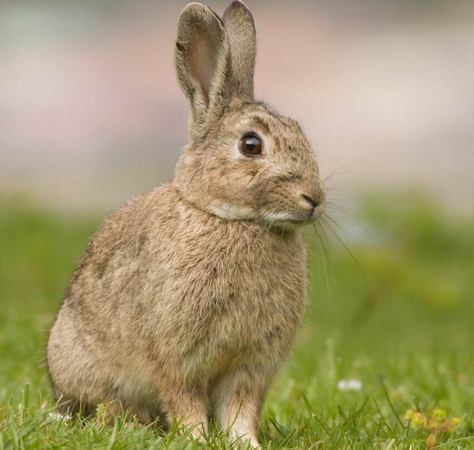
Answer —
240 27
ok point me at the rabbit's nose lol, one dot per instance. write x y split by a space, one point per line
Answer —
313 201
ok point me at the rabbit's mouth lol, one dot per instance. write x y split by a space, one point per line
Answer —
305 209
293 217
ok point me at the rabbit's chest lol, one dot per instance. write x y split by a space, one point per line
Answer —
233 304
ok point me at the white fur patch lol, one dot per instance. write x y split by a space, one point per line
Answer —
282 219
271 216
227 211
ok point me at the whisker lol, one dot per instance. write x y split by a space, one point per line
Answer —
339 188
333 226
325 242
339 209
323 251
338 171
316 253
324 256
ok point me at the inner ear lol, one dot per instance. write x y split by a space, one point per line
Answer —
203 60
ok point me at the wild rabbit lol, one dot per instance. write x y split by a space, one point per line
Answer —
188 298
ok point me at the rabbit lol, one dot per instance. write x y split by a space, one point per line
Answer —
187 300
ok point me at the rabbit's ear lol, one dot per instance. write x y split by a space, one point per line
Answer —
202 60
240 29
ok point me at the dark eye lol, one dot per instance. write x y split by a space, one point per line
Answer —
250 144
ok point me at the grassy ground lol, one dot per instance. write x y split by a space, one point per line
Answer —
400 320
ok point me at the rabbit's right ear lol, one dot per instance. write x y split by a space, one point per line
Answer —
202 60
238 21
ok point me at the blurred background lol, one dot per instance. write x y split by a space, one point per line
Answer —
91 114
90 111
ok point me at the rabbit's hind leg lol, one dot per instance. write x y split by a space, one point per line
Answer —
108 411
137 399
109 407
69 407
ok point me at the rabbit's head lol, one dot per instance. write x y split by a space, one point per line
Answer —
245 161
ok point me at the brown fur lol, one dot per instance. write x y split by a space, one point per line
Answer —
188 298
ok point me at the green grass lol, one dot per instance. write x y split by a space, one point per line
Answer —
400 320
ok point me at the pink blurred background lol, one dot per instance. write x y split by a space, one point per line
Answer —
90 112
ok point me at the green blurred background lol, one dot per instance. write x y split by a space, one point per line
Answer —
90 114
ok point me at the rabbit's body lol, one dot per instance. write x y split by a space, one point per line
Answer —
188 298
168 293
